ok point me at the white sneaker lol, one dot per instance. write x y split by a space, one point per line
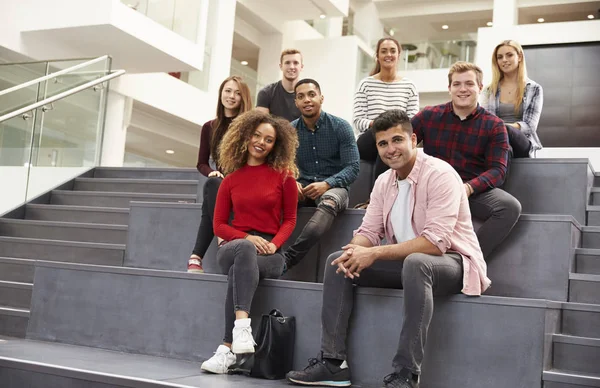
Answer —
220 362
243 342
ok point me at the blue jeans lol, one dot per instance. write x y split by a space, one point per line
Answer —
421 276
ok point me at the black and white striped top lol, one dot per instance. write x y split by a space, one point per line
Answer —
374 97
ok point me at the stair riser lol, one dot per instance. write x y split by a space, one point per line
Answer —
137 187
581 323
576 358
15 297
593 219
109 236
588 264
597 181
97 217
13 326
107 201
129 174
73 254
553 384
595 198
17 272
584 291
590 240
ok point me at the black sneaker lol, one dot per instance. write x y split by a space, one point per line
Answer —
402 379
321 372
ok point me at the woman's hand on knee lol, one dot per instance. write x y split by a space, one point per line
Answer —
271 248
262 245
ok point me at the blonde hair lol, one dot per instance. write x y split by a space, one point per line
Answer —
289 52
498 75
233 150
462 67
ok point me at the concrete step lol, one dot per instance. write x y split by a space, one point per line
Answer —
590 237
593 215
15 294
67 231
584 288
16 270
146 173
109 199
587 261
580 319
13 322
576 354
595 196
165 186
88 214
556 378
597 180
64 251
62 311
35 364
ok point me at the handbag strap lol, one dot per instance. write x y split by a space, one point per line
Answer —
276 313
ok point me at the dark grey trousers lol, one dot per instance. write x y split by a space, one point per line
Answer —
500 211
421 276
238 259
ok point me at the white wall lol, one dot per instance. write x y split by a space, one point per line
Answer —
338 83
13 180
367 23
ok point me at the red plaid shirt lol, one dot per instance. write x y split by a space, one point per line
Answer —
477 147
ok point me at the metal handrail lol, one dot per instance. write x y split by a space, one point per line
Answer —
62 95
53 75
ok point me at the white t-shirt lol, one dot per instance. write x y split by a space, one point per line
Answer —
400 214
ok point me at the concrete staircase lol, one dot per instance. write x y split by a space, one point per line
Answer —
138 320
83 221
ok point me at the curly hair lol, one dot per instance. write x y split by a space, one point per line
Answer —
233 149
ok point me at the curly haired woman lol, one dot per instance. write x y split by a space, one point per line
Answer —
257 156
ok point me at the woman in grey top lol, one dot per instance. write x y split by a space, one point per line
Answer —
514 98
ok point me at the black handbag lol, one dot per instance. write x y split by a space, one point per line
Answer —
275 339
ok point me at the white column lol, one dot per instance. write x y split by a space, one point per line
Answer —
118 116
506 13
219 38
329 27
268 59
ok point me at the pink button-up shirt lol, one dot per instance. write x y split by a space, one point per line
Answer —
440 212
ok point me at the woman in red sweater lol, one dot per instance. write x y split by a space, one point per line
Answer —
258 158
234 99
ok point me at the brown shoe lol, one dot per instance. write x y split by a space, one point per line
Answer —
362 205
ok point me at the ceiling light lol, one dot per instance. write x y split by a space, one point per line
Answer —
391 32
590 16
244 63
322 16
489 24
170 152
445 27
541 20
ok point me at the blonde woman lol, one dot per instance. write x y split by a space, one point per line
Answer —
515 98
258 159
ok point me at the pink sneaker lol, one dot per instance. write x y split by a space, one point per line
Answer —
195 265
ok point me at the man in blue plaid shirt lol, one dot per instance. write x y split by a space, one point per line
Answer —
328 162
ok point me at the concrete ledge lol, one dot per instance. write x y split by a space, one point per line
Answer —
534 262
149 312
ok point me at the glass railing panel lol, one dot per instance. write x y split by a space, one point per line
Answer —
74 78
436 54
15 151
15 74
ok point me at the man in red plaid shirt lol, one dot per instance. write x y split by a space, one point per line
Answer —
475 143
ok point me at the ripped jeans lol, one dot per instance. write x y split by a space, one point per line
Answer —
329 205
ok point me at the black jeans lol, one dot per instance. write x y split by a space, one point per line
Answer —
205 230
500 211
519 142
367 149
421 276
244 267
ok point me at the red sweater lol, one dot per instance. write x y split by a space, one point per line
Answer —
262 199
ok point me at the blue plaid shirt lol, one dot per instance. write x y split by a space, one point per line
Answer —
329 154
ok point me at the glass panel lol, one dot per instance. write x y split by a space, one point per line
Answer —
15 150
16 74
436 54
72 79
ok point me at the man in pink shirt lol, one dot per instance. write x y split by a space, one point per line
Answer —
421 208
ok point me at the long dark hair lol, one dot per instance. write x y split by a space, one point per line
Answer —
221 123
377 67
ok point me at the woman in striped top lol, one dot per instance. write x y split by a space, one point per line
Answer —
382 90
